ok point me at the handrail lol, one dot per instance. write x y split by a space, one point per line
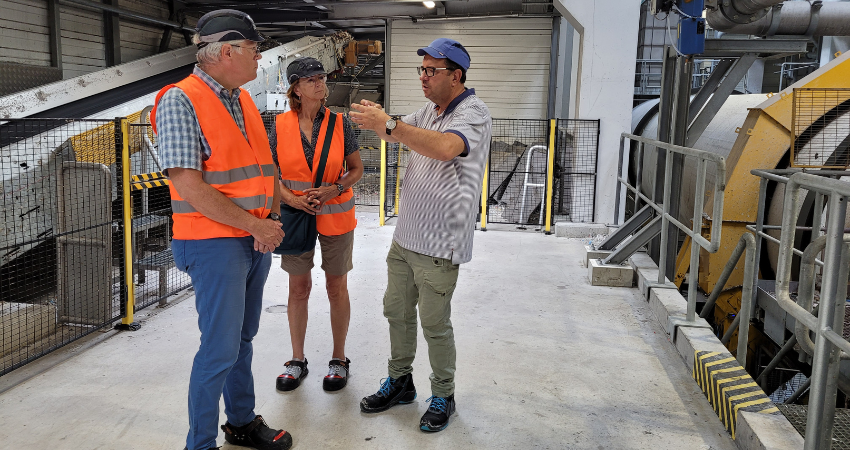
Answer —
836 269
711 245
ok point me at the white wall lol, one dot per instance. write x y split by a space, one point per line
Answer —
608 45
509 70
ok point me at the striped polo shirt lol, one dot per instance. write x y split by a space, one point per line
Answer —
439 199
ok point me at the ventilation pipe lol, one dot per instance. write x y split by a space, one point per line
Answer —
772 17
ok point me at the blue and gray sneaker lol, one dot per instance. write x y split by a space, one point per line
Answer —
437 416
392 392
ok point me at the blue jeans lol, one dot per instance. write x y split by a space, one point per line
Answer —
228 277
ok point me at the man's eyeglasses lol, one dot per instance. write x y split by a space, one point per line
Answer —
315 79
254 50
429 71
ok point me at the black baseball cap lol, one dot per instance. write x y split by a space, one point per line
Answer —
303 67
227 25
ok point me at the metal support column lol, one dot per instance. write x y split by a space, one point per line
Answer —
125 225
665 121
112 35
54 26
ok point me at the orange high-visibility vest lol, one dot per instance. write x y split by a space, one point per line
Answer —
242 170
337 214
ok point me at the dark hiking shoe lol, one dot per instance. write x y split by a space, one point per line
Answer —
257 435
392 392
337 376
437 416
292 376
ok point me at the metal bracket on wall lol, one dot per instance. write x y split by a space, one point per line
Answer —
627 229
641 238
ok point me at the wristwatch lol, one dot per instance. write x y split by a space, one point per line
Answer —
340 187
391 124
274 216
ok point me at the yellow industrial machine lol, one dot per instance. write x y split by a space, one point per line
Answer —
764 141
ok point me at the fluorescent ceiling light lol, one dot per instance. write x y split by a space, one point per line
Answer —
428 4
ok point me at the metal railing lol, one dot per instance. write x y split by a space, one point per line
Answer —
828 347
695 233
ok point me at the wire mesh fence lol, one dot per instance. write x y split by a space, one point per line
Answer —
821 128
60 250
519 152
398 156
156 276
574 188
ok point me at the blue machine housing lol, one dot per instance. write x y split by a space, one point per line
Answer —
691 29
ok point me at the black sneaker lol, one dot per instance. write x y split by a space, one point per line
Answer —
392 392
437 416
292 376
337 376
257 435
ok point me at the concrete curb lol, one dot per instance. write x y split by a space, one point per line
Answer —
755 431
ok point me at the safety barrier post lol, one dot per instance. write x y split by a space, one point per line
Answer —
382 197
484 189
128 294
397 181
550 174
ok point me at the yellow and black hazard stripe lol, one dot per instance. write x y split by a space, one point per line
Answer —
369 148
149 177
729 387
148 184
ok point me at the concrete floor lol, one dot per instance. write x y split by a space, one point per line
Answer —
544 361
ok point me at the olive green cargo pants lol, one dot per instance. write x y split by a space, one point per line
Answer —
429 282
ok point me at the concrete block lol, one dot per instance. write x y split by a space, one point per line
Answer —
666 303
766 432
580 230
591 253
646 274
21 324
690 340
610 275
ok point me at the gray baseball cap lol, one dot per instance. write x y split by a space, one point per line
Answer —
227 25
303 67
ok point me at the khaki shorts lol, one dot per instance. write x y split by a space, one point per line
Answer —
336 256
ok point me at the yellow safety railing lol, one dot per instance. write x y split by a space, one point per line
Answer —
382 207
484 188
127 320
550 174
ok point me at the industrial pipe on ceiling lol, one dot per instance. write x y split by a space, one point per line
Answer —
775 17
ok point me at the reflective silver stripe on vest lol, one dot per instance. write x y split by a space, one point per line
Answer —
246 203
336 208
238 174
301 185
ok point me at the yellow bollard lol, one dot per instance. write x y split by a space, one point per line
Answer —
484 196
382 201
128 224
550 174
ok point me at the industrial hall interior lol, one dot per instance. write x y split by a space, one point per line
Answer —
603 224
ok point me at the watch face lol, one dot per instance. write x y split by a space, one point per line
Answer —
391 124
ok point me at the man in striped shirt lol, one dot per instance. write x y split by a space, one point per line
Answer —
450 139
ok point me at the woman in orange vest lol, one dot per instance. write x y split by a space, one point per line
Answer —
297 140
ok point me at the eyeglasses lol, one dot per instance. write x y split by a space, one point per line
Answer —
429 71
315 79
254 50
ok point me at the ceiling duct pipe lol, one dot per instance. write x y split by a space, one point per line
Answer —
780 18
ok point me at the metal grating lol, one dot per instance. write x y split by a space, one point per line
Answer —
796 414
821 128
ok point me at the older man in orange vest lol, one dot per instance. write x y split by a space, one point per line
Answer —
225 201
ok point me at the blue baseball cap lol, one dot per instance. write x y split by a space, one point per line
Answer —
444 48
